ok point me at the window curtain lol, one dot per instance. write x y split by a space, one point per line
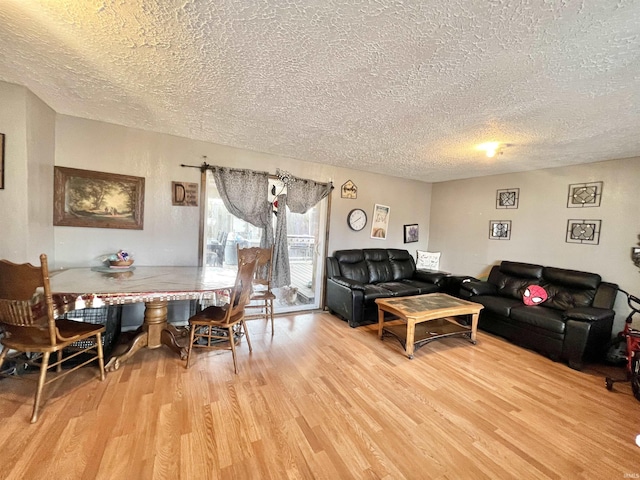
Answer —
244 193
301 196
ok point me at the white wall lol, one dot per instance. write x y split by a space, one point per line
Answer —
170 234
26 225
461 211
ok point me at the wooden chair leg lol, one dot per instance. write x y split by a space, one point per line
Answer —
59 366
3 355
100 355
41 379
232 341
270 302
192 335
246 333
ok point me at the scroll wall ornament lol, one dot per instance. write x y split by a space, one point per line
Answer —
584 231
500 229
584 195
508 198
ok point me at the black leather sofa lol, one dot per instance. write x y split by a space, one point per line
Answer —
355 278
574 324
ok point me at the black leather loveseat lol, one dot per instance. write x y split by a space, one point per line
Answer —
574 323
355 278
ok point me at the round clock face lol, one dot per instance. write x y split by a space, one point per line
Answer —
357 219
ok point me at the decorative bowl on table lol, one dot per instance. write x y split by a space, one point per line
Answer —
121 263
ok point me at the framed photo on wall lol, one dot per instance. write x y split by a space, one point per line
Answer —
411 233
84 198
380 222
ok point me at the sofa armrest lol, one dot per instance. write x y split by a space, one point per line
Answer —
473 288
429 276
347 282
344 301
588 314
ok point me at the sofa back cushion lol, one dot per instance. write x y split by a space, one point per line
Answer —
352 265
512 278
379 266
402 263
569 288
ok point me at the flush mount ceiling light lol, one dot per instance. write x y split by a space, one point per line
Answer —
490 148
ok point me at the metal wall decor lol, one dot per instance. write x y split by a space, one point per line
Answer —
500 229
583 231
508 198
349 190
584 195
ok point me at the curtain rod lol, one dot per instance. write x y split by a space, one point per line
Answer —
205 166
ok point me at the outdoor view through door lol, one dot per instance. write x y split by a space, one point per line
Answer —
223 233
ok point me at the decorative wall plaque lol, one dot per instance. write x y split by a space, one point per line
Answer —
349 190
184 194
500 230
584 231
508 198
584 195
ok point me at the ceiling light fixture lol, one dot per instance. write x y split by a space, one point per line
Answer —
490 148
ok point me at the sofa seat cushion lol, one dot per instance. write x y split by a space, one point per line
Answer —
498 305
422 287
373 291
399 289
539 317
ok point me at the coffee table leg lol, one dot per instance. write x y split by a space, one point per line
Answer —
474 327
380 322
411 335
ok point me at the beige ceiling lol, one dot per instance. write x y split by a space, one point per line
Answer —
400 87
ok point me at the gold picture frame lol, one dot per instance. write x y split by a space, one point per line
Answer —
84 198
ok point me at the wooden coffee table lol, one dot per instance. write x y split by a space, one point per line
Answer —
426 318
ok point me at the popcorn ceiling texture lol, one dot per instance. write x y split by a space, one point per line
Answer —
404 87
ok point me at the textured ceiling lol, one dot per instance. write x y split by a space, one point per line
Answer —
400 87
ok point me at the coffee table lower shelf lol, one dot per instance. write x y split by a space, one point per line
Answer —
428 331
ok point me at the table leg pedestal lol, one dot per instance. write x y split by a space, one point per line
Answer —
154 333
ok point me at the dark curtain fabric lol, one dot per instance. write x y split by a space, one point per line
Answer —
244 193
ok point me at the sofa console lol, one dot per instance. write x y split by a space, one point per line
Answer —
573 323
355 278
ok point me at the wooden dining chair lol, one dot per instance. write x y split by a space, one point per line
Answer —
216 324
262 297
27 318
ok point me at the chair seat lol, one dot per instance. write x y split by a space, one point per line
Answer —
265 295
215 315
32 338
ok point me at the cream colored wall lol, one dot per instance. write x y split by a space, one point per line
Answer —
461 211
170 234
26 201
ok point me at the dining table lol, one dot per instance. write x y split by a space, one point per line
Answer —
155 286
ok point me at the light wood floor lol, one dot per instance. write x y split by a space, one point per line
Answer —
322 400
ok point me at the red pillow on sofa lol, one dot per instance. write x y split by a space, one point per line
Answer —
534 295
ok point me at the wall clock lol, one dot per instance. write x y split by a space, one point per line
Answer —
357 219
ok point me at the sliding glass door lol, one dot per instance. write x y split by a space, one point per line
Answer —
306 235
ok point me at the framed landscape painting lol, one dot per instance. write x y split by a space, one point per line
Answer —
84 198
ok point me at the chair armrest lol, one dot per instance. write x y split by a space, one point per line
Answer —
473 288
429 276
589 314
348 283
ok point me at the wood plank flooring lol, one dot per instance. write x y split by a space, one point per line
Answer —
320 400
